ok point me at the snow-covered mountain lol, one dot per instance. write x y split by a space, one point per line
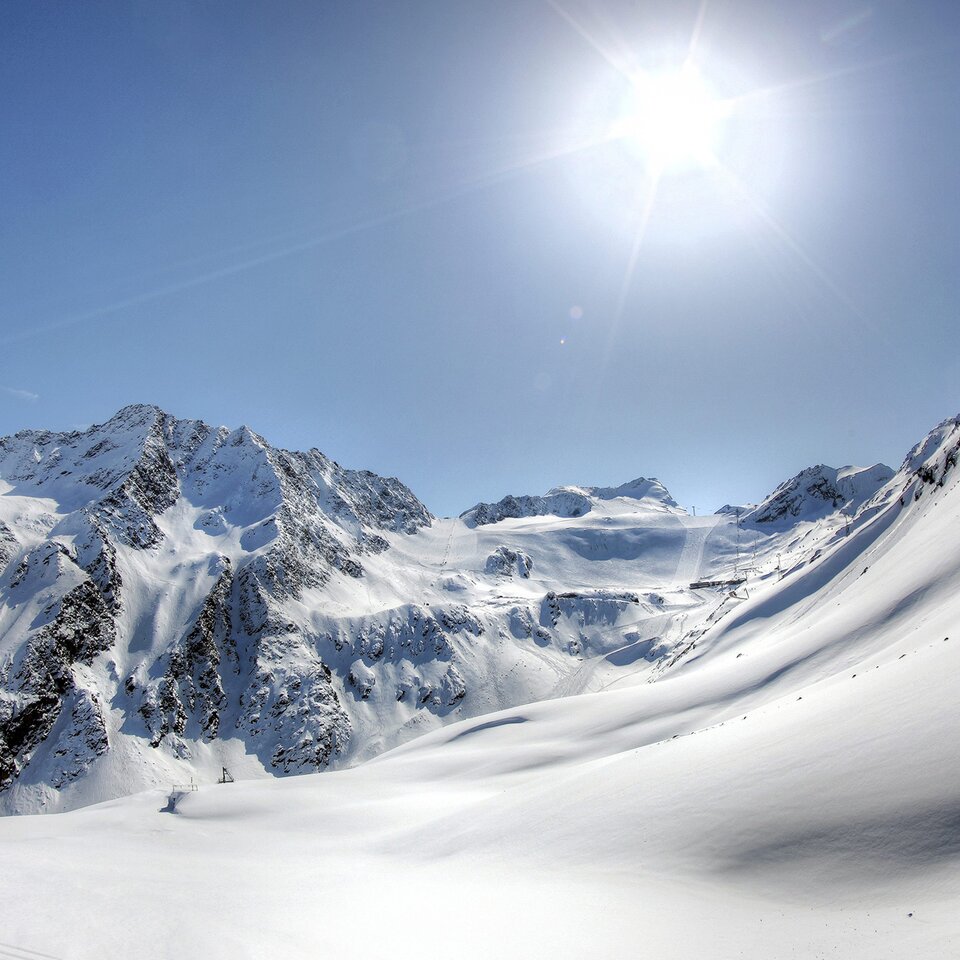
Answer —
180 598
770 771
568 502
149 565
177 598
819 491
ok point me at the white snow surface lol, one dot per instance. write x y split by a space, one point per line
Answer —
763 770
441 624
817 492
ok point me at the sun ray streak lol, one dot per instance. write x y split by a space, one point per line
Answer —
308 234
454 192
802 83
619 64
697 30
182 263
643 222
797 249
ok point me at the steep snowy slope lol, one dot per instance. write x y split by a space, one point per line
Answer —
787 785
178 598
150 561
818 492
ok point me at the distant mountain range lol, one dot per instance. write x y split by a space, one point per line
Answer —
177 598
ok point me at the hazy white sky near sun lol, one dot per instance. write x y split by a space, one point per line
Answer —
403 233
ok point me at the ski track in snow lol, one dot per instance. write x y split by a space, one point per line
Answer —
697 531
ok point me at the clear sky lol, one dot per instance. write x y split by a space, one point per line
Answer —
402 232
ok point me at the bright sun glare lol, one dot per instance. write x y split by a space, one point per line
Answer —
671 119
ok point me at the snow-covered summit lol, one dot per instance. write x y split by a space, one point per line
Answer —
647 489
818 491
734 509
572 501
145 460
926 467
937 448
179 549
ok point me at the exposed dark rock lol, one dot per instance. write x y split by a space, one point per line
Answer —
561 504
9 545
193 684
505 562
35 695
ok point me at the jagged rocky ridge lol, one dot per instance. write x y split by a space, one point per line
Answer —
818 491
178 596
299 519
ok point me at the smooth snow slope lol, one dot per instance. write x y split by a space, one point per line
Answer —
788 787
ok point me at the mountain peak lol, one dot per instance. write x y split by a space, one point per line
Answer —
819 490
641 488
137 413
569 501
226 601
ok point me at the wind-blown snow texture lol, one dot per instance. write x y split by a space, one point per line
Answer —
766 768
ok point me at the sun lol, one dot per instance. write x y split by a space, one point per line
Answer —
671 120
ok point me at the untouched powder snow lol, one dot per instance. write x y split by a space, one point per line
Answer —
782 782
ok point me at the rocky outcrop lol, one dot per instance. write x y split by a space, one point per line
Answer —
192 684
504 562
586 608
817 491
561 504
292 708
42 686
929 464
9 545
98 556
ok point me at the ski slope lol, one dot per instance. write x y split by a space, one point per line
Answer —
788 786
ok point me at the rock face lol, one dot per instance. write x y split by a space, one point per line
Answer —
928 465
45 688
559 503
215 653
818 491
504 562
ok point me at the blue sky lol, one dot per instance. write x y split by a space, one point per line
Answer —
392 231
